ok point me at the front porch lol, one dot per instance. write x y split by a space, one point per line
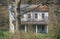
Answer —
34 28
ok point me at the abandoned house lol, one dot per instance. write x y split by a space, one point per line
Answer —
36 18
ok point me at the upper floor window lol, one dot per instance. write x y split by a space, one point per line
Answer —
42 15
29 15
36 15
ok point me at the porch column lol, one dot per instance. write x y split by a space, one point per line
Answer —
25 28
36 29
47 29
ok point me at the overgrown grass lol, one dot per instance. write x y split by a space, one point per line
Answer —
31 35
4 35
21 35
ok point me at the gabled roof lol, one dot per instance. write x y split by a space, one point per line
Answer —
34 7
43 8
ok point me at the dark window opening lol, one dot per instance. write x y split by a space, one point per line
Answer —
36 16
43 16
43 28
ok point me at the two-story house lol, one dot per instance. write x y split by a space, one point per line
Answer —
37 18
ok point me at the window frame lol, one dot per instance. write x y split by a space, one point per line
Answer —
29 16
36 15
43 15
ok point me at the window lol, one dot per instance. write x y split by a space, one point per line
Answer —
36 16
29 15
43 28
42 15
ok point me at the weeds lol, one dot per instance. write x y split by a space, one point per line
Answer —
22 35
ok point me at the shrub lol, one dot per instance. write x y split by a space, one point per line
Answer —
31 35
4 35
21 35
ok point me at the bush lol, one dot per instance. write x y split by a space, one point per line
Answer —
21 35
4 35
41 36
31 35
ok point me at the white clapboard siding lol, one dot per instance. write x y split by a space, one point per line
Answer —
24 17
39 17
46 15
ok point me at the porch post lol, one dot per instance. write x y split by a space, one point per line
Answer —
36 29
47 29
25 28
